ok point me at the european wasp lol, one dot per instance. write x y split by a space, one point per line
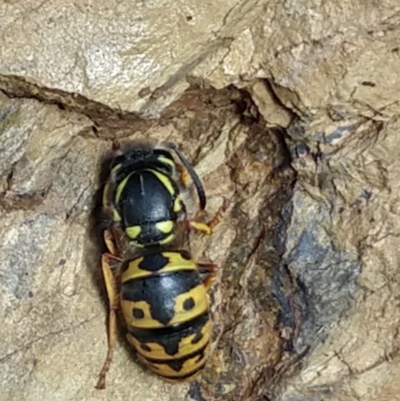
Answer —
149 273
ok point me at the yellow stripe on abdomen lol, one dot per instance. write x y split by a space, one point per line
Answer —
177 368
185 346
159 263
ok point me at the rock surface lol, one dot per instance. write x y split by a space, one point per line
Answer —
289 109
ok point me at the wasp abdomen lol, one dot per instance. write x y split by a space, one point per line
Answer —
165 307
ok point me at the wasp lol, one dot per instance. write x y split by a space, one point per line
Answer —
149 274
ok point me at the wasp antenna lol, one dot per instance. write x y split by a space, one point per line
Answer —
196 180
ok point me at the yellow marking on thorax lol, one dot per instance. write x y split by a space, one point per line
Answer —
177 205
107 204
121 187
106 195
167 240
166 181
133 232
116 168
165 226
186 347
116 216
188 366
175 263
165 160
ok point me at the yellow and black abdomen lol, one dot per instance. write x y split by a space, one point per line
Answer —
165 307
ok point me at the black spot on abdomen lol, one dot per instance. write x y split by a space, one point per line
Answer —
138 313
188 304
153 262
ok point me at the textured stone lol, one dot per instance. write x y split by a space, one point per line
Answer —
129 56
289 109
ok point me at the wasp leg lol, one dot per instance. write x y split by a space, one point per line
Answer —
188 176
207 228
184 176
199 226
110 242
219 215
115 242
210 270
113 298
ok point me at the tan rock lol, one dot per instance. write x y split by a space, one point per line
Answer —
289 109
130 57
